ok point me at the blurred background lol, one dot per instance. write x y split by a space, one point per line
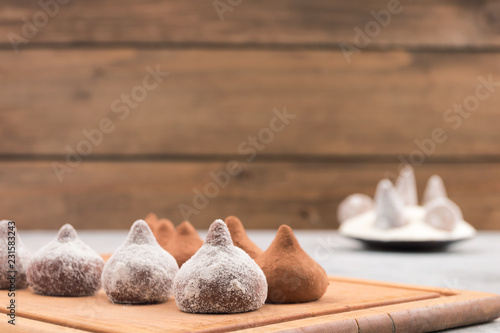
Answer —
271 111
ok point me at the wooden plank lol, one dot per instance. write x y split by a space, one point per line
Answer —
451 23
107 195
349 305
466 308
214 100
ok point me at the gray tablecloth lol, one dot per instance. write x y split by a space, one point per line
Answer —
472 265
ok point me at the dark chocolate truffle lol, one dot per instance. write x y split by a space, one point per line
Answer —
185 243
140 271
292 275
14 256
163 229
65 267
240 237
220 277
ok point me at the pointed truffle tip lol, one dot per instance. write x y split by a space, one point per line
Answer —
285 237
384 186
151 218
67 233
140 233
435 189
406 185
218 234
389 206
407 171
165 225
234 225
185 228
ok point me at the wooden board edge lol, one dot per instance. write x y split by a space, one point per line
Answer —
468 308
442 291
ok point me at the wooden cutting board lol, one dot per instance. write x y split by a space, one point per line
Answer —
349 305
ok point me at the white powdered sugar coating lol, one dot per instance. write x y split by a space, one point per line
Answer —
353 205
22 258
140 271
363 226
66 267
220 278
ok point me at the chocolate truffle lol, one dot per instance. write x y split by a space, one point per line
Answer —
389 207
292 276
140 271
434 189
13 257
240 237
442 213
406 186
163 229
151 220
220 277
185 243
65 267
354 204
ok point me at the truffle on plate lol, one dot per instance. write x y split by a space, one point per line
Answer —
397 219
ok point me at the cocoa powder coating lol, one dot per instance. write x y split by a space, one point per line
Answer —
292 275
240 237
163 229
185 243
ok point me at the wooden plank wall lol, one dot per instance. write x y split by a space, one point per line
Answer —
354 120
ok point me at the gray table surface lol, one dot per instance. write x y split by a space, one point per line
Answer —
470 265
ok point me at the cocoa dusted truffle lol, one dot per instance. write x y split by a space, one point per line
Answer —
240 237
65 267
140 271
220 277
12 252
163 229
185 243
292 275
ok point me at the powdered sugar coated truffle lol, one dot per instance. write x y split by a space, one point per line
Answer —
11 242
220 278
66 267
140 271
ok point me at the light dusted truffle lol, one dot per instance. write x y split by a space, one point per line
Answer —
11 242
220 277
65 267
140 271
